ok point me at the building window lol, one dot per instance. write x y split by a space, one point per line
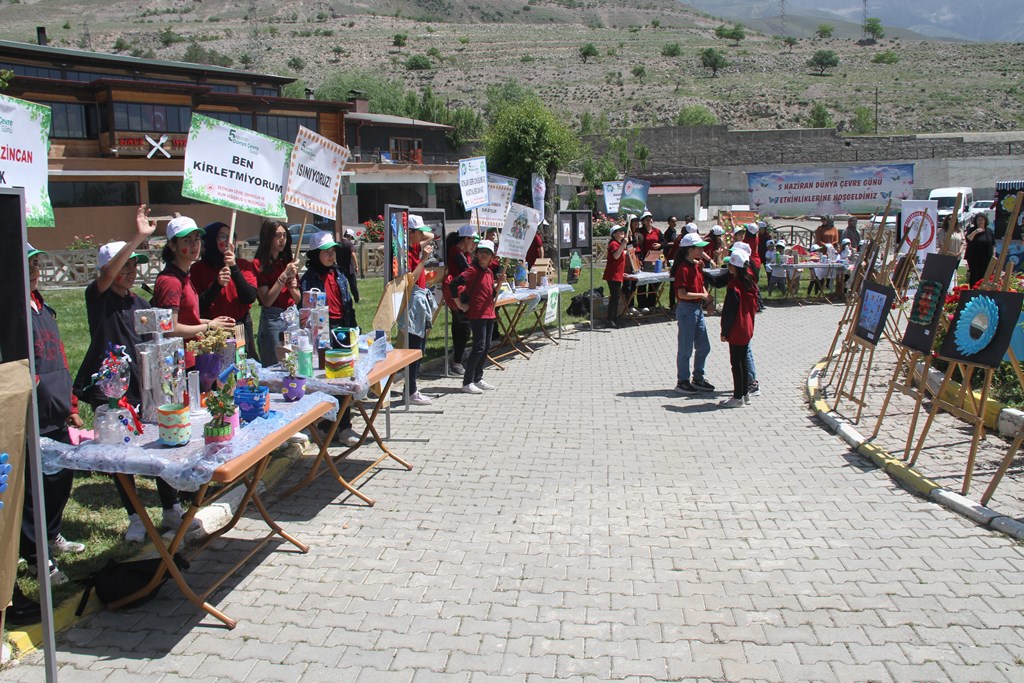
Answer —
147 118
73 194
284 127
71 120
167 192
265 92
31 71
407 149
218 87
243 120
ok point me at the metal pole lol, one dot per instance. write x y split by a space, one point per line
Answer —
876 110
591 289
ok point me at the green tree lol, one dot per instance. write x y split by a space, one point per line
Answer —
587 51
886 57
824 31
639 72
823 60
400 39
873 28
790 42
734 33
168 37
655 23
418 63
5 78
710 58
819 117
296 63
500 95
671 50
642 154
862 123
586 123
528 138
696 115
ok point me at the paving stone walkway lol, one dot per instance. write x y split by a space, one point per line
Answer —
585 523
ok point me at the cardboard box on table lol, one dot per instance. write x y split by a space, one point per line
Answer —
652 262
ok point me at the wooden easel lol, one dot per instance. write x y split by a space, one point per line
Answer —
977 417
858 349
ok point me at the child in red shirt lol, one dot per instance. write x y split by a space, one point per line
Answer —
738 312
614 272
691 294
479 289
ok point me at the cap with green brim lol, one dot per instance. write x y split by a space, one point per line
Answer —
323 240
181 226
31 251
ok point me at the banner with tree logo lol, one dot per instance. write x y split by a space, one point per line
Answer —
24 148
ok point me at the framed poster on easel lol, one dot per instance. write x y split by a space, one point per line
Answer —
575 233
396 241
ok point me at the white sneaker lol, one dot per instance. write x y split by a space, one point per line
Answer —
63 545
485 386
457 369
731 403
419 399
746 400
136 532
645 310
471 389
349 437
57 577
173 516
632 311
300 438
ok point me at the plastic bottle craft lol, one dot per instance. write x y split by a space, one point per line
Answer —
116 422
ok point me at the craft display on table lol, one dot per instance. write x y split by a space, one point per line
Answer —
253 400
116 422
371 350
174 424
209 348
160 362
294 384
223 412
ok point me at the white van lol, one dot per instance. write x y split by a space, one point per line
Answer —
946 197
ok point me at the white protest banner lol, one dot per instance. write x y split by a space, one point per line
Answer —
612 195
235 167
829 190
473 182
24 147
314 173
494 213
551 312
503 180
518 231
920 221
539 187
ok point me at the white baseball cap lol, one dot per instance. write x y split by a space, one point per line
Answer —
815 247
350 232
646 214
738 228
752 228
416 222
738 259
846 240
692 240
717 230
741 247
781 243
181 226
322 240
690 227
109 251
485 244
467 231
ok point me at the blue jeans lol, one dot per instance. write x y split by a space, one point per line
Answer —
751 370
271 327
693 334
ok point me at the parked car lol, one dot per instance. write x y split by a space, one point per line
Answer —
311 232
985 206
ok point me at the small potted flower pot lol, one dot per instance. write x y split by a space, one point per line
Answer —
221 434
174 424
252 402
294 388
208 366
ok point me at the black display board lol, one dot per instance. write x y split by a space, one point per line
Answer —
973 336
14 332
574 231
1005 192
875 304
926 311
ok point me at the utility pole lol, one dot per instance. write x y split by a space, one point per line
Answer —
876 110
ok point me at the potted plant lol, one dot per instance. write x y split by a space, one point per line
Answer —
207 349
221 404
253 400
294 384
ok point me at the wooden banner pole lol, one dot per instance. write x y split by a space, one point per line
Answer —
302 232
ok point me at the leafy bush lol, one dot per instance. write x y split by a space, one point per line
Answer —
296 63
886 57
587 51
168 37
819 117
735 33
710 58
671 50
400 39
863 123
824 31
696 115
418 63
823 60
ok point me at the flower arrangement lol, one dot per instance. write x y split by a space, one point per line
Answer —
85 243
291 363
221 403
214 340
374 229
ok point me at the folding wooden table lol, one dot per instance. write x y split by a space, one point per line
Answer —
507 323
384 372
246 469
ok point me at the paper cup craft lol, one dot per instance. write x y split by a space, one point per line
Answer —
174 424
252 402
930 294
339 364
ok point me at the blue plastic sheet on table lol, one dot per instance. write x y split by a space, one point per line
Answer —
356 386
187 467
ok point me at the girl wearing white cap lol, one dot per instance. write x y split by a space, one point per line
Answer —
174 289
738 311
421 303
478 288
691 295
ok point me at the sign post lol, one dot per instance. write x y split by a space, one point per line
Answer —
473 182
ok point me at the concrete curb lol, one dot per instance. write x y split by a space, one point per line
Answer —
25 639
911 479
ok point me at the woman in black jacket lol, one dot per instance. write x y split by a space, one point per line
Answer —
980 248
